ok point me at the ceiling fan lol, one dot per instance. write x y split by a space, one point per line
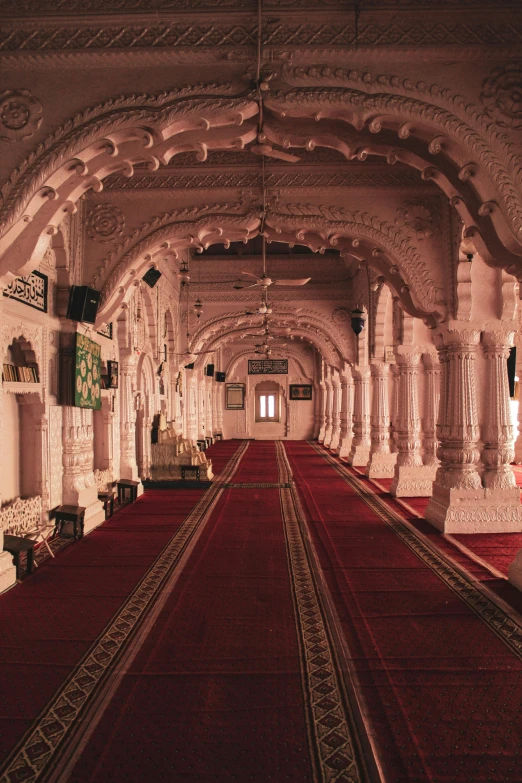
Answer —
263 148
265 281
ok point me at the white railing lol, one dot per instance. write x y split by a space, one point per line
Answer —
21 516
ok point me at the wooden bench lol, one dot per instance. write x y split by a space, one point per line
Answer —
190 469
127 485
74 514
106 490
15 546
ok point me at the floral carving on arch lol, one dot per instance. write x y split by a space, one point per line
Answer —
20 115
502 95
419 216
105 222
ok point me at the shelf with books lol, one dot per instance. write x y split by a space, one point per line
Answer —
12 374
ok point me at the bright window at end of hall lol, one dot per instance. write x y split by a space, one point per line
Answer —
262 406
267 409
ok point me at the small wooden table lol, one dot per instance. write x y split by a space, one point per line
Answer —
202 444
130 485
190 469
107 498
218 436
74 514
15 546
210 440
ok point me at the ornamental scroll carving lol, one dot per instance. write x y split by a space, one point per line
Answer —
21 515
419 217
20 115
105 222
502 96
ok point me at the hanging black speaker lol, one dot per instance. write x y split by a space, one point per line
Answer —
221 377
209 370
190 366
151 277
83 304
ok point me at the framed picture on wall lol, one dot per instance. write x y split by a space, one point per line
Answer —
87 373
112 374
300 391
235 396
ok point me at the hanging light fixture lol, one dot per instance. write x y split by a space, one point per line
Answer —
198 307
357 320
183 273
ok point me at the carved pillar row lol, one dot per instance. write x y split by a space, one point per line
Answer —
382 462
432 372
497 432
411 478
322 411
191 409
346 417
202 408
218 406
7 569
336 411
394 434
79 488
361 443
128 463
328 411
460 503
518 372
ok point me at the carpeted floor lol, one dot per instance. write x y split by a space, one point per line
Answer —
263 631
438 684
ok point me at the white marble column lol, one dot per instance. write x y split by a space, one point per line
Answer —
432 372
79 488
219 403
460 503
336 411
382 462
322 411
361 443
7 569
346 418
191 409
328 408
128 370
411 478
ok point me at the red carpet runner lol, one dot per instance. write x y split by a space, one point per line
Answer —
233 676
51 620
441 689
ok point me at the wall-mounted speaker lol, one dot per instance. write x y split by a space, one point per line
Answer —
189 366
511 368
83 304
151 277
209 370
221 377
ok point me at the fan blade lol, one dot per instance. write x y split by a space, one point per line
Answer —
269 152
294 282
251 275
201 353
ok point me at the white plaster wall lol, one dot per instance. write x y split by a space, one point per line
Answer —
10 473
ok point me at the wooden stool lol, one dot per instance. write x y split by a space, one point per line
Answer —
210 440
190 469
218 436
15 546
202 444
107 498
131 486
74 514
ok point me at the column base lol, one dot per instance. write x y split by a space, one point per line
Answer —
413 482
7 571
359 456
327 438
94 516
334 443
381 466
343 450
475 510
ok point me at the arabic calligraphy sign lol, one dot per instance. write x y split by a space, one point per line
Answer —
268 366
31 290
87 373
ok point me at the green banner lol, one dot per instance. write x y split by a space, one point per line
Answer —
87 372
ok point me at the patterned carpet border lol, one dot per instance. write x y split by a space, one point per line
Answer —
503 625
41 746
331 732
265 485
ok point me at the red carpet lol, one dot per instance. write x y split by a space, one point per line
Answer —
51 619
442 690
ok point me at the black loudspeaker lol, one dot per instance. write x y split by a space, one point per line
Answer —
83 304
511 368
151 277
221 377
209 370
189 366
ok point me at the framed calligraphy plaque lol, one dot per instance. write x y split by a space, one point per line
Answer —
268 366
235 396
31 290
